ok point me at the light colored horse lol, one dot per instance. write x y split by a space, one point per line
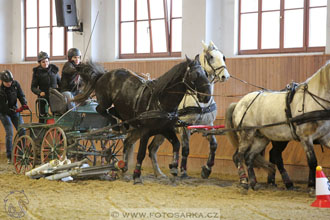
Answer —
193 112
310 116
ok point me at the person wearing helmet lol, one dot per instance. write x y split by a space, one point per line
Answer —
70 79
10 91
45 76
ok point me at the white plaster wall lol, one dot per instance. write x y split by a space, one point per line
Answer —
6 30
103 42
209 20
327 47
214 21
193 26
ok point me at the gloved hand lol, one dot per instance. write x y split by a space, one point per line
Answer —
23 107
19 109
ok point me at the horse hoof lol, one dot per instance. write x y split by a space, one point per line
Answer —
272 185
289 186
137 181
174 171
256 187
243 190
124 170
205 172
311 192
184 175
160 176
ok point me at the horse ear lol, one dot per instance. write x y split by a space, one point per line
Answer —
213 45
204 46
188 60
197 59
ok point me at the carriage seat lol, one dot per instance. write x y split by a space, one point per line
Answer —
57 102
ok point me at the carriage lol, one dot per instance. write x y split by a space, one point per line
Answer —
70 134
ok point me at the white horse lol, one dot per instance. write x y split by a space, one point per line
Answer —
193 112
304 118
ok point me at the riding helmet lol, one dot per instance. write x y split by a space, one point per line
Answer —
73 52
7 76
42 55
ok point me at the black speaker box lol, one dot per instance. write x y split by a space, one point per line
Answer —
66 13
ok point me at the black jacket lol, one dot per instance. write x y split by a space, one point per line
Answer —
9 96
69 80
43 79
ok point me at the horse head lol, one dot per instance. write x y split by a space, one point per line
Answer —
197 80
213 61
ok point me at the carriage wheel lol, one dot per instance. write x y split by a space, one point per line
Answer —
112 149
24 154
84 146
53 145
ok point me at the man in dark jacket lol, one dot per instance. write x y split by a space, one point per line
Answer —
10 91
70 78
45 76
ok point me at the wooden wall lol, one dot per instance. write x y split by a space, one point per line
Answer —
268 72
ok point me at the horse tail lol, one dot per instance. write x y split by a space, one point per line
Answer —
231 135
90 74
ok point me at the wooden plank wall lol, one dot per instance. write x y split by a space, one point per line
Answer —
268 72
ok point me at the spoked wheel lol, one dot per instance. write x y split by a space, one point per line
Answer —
111 149
53 145
84 149
24 154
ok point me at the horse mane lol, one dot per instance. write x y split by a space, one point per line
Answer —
167 78
89 72
322 72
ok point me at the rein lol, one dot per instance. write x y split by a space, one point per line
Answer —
243 81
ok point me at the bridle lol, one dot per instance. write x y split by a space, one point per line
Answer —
216 77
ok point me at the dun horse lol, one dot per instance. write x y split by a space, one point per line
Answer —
262 116
148 106
193 112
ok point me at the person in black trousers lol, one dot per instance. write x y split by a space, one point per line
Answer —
10 91
45 76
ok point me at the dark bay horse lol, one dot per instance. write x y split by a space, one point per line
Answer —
148 106
193 112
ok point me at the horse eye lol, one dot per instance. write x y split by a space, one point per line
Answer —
211 57
224 58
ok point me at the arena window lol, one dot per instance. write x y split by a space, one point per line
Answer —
150 28
41 31
282 26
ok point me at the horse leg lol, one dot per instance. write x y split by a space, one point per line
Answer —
128 146
238 159
140 157
185 136
258 146
206 170
153 149
172 138
102 110
312 161
275 156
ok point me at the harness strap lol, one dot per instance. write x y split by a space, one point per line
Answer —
240 123
291 88
197 110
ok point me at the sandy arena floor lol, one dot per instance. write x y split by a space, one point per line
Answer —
186 199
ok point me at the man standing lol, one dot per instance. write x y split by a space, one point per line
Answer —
10 91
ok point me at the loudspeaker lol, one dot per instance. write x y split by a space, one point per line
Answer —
66 13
